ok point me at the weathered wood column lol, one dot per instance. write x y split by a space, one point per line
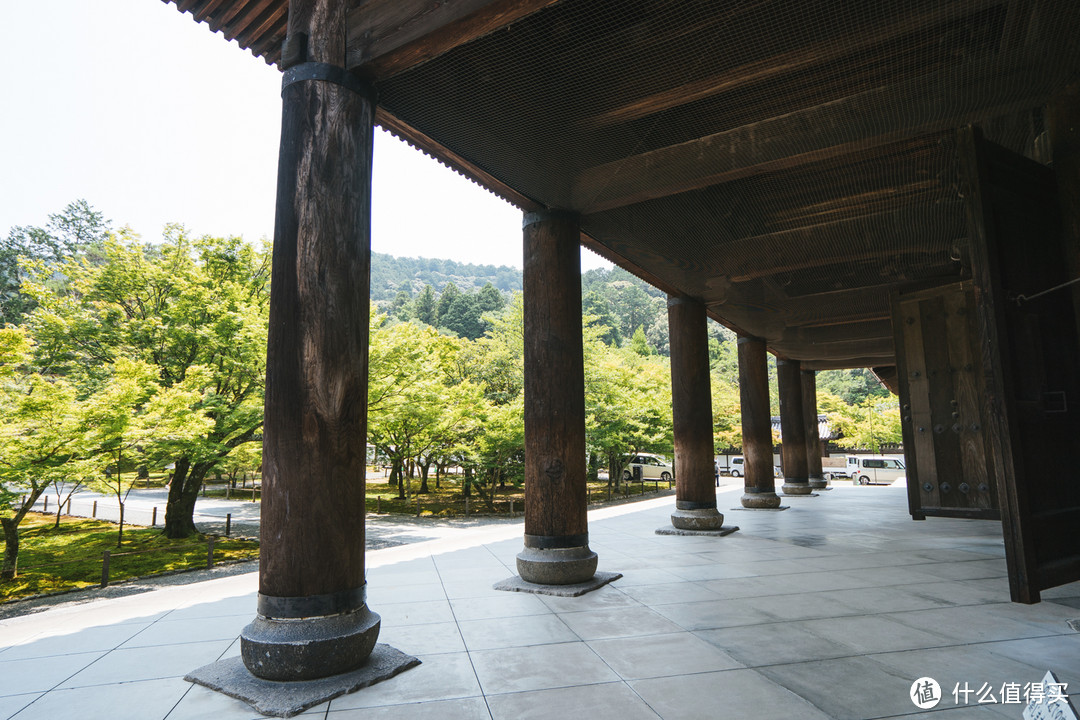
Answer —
759 490
792 427
313 619
556 524
691 406
815 473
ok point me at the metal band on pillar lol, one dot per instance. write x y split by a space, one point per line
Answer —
327 73
692 421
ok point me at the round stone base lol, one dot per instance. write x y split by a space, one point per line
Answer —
817 483
796 489
556 566
700 519
309 648
760 501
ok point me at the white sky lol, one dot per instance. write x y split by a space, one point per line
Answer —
153 119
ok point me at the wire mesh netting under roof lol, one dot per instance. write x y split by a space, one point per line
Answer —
785 162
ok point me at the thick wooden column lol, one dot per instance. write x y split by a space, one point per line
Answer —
313 619
792 427
691 406
760 487
814 470
556 525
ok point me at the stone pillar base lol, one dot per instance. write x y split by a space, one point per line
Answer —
699 519
796 488
309 648
556 566
761 501
818 482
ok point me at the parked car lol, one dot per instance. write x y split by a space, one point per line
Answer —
738 466
875 469
653 467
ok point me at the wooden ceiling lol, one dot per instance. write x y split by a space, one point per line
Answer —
786 163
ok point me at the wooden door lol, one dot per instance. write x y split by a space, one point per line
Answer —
950 467
1029 344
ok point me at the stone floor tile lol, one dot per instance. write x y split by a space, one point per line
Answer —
682 592
11 704
610 596
415 613
651 656
617 622
846 688
430 639
148 663
42 673
200 703
473 708
171 632
728 694
506 604
610 701
438 677
141 699
773 643
93 639
865 634
515 632
1059 653
540 667
716 613
954 665
968 625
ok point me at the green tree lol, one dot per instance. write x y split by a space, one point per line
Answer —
194 310
639 344
400 307
870 424
77 231
463 317
40 435
424 307
489 299
446 299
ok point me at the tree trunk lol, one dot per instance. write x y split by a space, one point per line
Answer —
120 535
183 492
424 467
11 549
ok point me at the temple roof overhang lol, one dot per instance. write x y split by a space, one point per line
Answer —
787 164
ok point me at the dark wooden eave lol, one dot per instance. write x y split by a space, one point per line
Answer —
788 165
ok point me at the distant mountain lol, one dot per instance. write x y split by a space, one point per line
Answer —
390 275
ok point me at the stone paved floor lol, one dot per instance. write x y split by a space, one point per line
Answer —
828 610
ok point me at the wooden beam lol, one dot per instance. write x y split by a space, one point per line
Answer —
387 37
786 63
878 237
854 124
845 364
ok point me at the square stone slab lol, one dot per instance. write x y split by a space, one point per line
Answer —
516 584
813 494
725 530
285 699
775 509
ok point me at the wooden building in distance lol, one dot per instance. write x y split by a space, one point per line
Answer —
891 184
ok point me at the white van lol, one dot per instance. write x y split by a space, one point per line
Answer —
875 469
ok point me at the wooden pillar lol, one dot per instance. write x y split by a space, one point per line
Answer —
1063 128
313 619
816 475
556 525
760 487
691 406
792 427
